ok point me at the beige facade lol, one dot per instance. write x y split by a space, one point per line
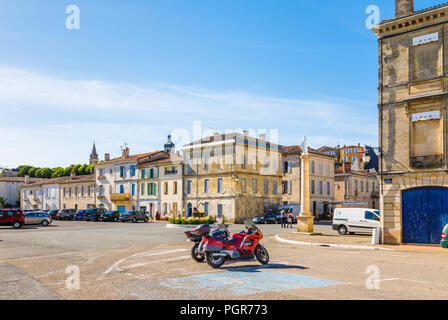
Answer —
356 186
171 186
78 193
31 196
413 94
321 179
231 176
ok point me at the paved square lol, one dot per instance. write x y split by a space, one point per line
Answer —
247 282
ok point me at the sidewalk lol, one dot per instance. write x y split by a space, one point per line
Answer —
351 242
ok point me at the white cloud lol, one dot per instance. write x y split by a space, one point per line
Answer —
51 121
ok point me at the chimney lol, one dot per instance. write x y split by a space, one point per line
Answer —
107 157
125 153
403 8
27 179
72 174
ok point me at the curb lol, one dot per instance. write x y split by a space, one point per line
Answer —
185 226
335 245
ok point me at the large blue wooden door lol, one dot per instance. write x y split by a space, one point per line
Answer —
425 213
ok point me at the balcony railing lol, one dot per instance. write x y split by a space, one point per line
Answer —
120 196
427 162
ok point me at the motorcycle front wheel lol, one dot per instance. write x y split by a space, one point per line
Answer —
262 254
214 262
198 257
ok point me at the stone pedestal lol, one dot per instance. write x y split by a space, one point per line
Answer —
305 222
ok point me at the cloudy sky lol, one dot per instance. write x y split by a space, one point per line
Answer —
135 72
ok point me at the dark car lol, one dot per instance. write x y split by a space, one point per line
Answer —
53 214
11 217
66 214
110 216
134 216
80 215
272 218
93 214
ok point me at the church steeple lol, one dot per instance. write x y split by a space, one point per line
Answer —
169 145
93 155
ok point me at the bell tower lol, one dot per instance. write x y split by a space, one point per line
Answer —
93 155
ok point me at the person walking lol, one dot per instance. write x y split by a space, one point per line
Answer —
283 216
290 218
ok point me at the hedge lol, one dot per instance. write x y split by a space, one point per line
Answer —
192 221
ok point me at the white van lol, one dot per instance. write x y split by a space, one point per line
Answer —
356 220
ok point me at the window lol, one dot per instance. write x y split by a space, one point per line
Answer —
205 164
133 190
254 185
320 168
151 173
206 181
142 189
244 162
219 185
121 189
143 173
189 187
369 215
101 172
171 170
243 185
266 186
274 191
313 169
367 187
361 184
174 187
101 190
328 188
132 170
312 187
345 159
328 170
320 187
427 138
206 209
165 187
122 171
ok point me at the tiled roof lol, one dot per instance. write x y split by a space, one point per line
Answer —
78 179
227 136
128 159
21 179
294 150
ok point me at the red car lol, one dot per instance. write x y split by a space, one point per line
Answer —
11 217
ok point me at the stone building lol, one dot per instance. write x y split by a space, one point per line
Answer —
321 179
357 187
413 91
77 192
232 176
10 188
117 181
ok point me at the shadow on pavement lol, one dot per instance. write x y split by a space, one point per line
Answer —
263 267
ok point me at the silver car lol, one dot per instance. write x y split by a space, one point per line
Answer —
37 218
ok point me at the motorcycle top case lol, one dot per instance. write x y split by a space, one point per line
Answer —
202 230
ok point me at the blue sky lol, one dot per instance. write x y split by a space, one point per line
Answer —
138 70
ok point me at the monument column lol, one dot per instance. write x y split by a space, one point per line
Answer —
305 221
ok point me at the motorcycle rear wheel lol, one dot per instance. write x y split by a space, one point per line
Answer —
195 255
214 262
262 254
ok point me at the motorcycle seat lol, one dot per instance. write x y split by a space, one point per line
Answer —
231 241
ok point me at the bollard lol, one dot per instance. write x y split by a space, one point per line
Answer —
376 236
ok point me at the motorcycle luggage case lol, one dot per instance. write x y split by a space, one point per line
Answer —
202 230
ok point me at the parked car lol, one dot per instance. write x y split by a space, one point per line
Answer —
38 217
134 216
66 214
355 220
94 214
53 214
268 218
80 215
110 216
11 217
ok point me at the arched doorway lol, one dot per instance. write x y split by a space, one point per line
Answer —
189 210
424 214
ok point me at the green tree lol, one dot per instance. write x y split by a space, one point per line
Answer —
57 172
33 172
23 170
46 173
82 170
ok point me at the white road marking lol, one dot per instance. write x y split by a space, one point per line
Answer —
142 254
137 265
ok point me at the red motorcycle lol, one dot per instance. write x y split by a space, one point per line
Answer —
243 246
201 235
